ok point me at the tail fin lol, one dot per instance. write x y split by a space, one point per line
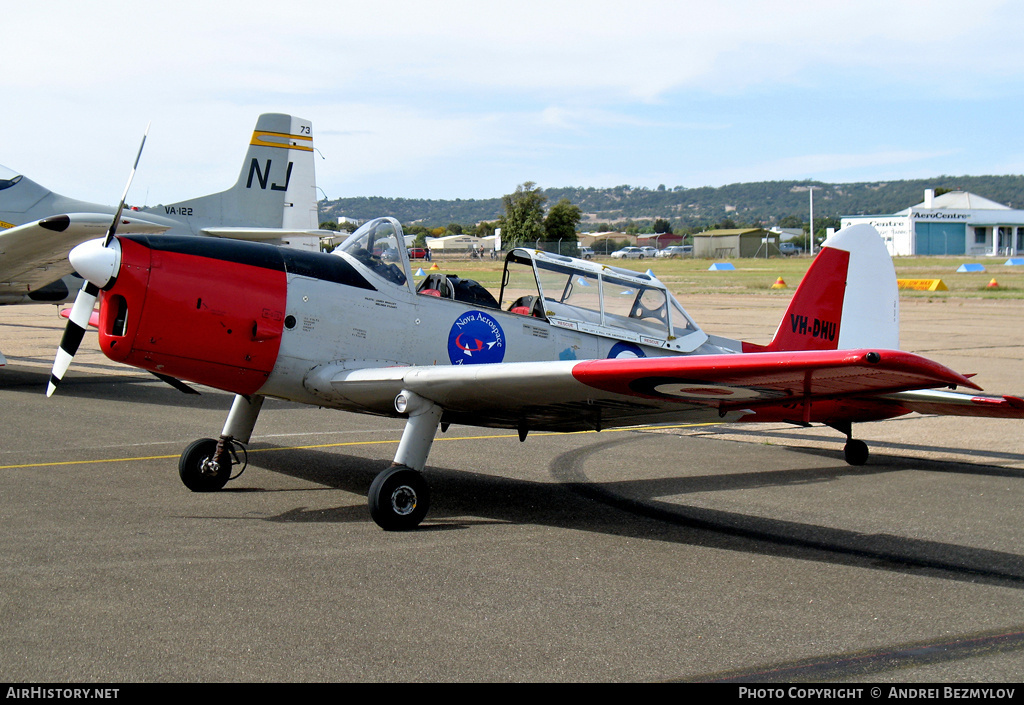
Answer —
848 299
276 187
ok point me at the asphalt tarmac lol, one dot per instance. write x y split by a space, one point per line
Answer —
691 553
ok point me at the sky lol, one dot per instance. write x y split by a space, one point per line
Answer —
445 99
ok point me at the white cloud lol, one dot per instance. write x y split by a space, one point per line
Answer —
409 88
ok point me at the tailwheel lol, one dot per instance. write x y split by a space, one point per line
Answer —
202 469
399 498
856 452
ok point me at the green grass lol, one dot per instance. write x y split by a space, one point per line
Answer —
756 276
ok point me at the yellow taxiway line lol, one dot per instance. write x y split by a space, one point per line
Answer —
349 443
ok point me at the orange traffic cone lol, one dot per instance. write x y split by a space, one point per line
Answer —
993 284
434 266
779 284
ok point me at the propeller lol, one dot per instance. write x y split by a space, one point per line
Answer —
98 263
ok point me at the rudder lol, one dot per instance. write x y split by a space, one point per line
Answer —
848 299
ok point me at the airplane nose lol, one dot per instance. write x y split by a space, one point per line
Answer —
95 263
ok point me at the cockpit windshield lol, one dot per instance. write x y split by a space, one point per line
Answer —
8 178
379 245
604 300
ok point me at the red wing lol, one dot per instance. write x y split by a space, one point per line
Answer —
803 386
748 380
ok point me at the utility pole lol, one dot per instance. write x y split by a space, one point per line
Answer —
810 245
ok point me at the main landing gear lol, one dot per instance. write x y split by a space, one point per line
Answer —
206 464
399 496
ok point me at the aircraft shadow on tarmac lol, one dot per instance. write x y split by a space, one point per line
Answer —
576 503
131 387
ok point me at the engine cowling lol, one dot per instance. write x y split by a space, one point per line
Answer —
198 309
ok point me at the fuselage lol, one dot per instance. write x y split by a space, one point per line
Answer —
251 318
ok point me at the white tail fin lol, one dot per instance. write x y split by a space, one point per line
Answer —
276 187
848 299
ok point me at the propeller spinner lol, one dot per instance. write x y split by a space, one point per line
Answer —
97 261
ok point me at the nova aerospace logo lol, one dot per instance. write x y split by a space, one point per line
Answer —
475 339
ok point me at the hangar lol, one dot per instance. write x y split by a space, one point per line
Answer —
953 223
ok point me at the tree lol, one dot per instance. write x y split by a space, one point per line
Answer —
661 225
523 220
484 229
561 221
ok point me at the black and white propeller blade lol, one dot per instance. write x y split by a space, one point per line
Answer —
98 263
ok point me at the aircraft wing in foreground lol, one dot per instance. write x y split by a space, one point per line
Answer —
564 345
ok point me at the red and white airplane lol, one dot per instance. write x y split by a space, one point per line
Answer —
564 345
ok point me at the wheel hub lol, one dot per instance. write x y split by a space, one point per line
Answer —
403 500
209 466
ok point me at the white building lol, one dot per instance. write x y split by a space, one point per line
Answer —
460 243
955 223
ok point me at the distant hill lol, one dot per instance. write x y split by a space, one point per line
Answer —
764 202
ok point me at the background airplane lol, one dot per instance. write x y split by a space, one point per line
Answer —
565 345
273 200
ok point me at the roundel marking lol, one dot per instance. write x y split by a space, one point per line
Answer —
625 350
475 339
691 390
699 390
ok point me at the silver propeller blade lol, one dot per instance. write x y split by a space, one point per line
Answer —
81 311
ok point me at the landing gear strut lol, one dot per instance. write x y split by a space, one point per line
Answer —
399 496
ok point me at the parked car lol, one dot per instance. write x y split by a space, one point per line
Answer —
789 249
586 253
417 253
628 253
676 251
649 251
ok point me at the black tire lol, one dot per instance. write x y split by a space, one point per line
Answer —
190 467
399 498
856 452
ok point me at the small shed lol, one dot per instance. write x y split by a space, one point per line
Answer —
742 242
